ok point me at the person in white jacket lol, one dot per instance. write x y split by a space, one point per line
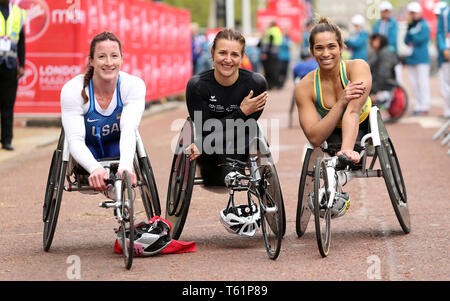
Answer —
101 111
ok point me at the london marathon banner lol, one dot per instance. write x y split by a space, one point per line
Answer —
156 45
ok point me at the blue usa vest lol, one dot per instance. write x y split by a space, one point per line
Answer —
103 132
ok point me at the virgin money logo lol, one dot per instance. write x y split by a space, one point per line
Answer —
30 77
38 17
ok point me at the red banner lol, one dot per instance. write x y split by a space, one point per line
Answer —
156 46
288 14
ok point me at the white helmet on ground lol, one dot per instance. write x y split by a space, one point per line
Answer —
149 238
241 220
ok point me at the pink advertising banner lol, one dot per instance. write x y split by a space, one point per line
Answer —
156 45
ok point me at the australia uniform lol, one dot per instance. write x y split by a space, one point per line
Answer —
103 132
323 110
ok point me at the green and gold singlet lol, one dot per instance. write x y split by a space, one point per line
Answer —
320 106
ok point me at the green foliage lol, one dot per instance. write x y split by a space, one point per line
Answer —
199 9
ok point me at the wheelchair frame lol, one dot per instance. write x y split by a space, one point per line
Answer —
182 179
124 212
328 181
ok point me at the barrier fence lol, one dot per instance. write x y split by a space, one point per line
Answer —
156 45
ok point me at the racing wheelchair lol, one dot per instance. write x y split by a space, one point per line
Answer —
257 176
324 174
66 175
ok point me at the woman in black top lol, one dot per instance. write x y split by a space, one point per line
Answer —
222 102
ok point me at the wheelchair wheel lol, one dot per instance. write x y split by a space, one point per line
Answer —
148 189
127 221
181 181
53 193
322 214
262 149
393 177
305 191
272 211
399 104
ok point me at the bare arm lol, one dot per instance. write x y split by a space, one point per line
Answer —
318 130
358 72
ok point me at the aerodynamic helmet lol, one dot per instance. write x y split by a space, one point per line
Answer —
242 220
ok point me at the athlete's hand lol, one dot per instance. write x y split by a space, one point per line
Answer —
252 104
97 179
131 174
353 91
192 152
351 154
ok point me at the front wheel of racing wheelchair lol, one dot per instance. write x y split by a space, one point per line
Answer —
61 178
182 179
375 144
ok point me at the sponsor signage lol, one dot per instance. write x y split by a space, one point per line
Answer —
156 45
288 14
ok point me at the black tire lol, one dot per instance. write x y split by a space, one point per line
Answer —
305 189
53 194
272 221
148 188
127 222
181 182
265 159
322 217
393 177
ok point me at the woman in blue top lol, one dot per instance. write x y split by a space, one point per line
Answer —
101 111
334 97
358 41
418 37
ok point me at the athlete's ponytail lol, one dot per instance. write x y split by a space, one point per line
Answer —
86 79
325 25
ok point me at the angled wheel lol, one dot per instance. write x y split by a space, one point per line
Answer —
272 211
53 193
127 220
181 181
306 190
393 177
260 147
147 187
322 214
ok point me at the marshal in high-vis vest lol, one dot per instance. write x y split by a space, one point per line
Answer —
12 60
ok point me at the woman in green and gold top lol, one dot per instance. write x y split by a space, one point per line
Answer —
334 97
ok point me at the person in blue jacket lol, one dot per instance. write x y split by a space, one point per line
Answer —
358 40
443 45
417 38
387 26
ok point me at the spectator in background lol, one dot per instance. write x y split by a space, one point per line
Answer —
382 63
304 51
443 43
387 26
204 61
358 40
270 48
12 61
417 37
284 58
197 41
307 65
